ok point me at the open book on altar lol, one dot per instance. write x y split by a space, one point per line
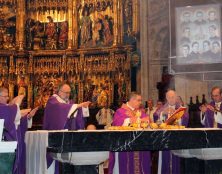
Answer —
178 114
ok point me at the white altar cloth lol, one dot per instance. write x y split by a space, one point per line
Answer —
36 149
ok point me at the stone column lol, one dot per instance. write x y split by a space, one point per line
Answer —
144 48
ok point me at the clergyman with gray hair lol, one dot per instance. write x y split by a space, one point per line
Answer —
62 113
16 122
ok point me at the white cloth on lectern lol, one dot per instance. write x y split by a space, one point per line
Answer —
159 171
51 169
116 165
36 152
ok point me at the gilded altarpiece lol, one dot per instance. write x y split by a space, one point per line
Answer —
46 42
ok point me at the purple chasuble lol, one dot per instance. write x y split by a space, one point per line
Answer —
56 118
209 117
8 113
170 162
22 128
129 162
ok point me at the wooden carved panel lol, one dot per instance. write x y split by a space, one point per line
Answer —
7 25
96 23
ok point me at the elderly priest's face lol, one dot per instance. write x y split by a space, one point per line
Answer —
64 92
171 97
4 97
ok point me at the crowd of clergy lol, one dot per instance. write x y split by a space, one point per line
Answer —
62 113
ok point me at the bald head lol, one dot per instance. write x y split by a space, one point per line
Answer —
171 97
64 91
65 87
4 95
91 127
3 89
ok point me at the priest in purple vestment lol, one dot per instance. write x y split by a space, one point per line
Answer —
61 113
211 114
129 162
15 125
167 162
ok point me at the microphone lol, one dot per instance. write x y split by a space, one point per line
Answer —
73 114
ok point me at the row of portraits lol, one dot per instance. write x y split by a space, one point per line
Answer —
198 34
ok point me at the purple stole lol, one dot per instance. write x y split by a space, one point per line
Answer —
209 117
129 162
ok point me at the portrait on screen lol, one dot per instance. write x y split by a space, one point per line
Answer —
198 34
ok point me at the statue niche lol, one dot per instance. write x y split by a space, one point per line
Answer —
7 27
49 36
63 35
34 34
95 26
85 27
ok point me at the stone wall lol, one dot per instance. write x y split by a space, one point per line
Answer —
154 44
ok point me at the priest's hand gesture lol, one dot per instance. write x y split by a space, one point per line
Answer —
210 108
203 108
84 104
32 113
168 111
17 100
25 112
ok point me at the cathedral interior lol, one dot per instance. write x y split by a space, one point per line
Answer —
104 50
91 44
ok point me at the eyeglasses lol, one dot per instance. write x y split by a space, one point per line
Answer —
215 95
66 92
6 96
139 100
